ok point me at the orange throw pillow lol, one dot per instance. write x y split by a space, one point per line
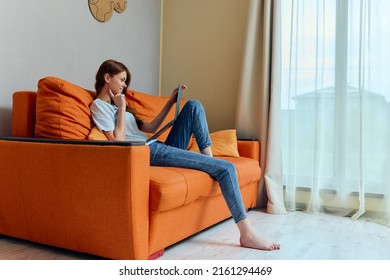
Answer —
147 107
62 110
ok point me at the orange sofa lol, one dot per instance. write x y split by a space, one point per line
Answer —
52 193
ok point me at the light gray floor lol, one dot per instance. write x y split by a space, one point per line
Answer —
302 237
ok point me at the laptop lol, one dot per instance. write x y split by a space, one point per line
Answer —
169 124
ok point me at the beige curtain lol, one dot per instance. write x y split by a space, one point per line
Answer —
256 109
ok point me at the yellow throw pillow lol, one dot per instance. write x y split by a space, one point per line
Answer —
96 134
224 143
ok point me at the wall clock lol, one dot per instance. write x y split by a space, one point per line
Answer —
102 10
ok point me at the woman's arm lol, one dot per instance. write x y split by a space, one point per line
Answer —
151 127
119 133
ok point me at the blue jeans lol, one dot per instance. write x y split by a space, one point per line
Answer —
192 120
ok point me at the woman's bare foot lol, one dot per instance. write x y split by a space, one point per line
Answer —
250 239
256 242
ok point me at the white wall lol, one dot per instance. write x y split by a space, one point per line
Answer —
61 38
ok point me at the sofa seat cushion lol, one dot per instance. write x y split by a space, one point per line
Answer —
172 187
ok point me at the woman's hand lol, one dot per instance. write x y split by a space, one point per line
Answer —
119 99
173 97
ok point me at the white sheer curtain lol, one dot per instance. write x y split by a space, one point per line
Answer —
334 75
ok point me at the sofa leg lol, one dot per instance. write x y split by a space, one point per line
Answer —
156 255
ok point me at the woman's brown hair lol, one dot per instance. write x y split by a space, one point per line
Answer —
110 67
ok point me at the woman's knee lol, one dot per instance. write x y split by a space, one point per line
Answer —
194 105
229 168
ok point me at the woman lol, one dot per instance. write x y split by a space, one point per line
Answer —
118 123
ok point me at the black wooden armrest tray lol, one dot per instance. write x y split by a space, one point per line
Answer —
247 139
73 142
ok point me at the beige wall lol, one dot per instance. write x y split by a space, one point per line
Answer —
202 45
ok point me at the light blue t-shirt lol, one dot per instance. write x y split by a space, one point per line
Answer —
105 117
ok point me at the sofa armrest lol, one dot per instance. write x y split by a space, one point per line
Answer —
249 148
80 195
23 113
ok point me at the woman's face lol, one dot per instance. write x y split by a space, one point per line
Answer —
117 83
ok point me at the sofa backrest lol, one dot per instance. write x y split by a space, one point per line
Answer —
60 110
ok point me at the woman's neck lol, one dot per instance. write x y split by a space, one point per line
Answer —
104 96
